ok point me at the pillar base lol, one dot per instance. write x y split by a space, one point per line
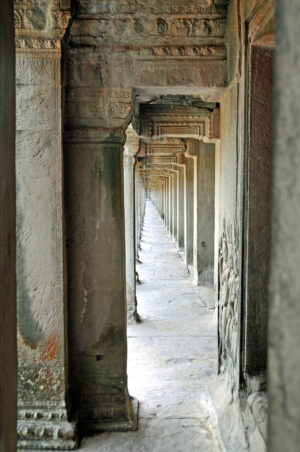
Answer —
113 420
45 428
132 314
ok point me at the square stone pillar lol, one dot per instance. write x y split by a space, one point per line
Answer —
284 305
188 245
175 203
43 414
130 150
204 214
171 207
181 212
167 202
97 281
8 352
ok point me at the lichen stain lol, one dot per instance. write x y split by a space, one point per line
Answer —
49 350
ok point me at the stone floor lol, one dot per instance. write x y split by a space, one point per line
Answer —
172 355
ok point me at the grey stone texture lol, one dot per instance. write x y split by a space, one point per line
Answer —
97 286
8 352
43 391
284 317
204 238
194 78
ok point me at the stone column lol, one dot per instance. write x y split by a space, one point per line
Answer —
165 199
171 204
284 306
97 280
140 199
43 412
181 211
175 202
162 198
167 203
8 352
204 214
131 148
188 251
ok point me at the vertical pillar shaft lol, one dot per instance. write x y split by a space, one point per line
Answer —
175 198
171 204
204 214
181 206
284 306
189 210
42 328
130 150
8 354
97 283
167 202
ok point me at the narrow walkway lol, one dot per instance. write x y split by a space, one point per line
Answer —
172 355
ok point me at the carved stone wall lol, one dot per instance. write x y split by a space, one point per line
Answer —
228 300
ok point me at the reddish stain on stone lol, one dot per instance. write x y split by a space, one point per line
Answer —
50 348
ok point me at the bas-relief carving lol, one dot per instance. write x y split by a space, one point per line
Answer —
228 296
129 29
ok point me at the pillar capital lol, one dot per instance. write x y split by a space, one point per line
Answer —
132 142
41 27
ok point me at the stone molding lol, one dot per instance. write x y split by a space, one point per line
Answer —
95 135
41 25
171 123
260 18
45 428
156 7
29 44
155 148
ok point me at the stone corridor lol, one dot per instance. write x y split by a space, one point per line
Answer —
172 354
